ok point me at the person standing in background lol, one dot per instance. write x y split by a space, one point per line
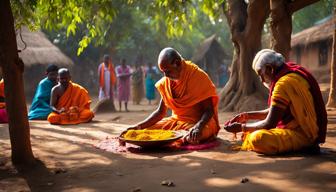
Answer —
222 75
137 84
107 79
150 83
124 76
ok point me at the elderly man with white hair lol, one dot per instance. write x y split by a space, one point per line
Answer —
296 117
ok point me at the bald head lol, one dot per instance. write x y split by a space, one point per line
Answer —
63 71
64 76
170 63
168 56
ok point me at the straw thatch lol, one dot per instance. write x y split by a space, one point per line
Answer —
39 50
209 56
314 34
38 54
209 44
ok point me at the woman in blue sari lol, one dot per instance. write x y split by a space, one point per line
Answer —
150 83
40 107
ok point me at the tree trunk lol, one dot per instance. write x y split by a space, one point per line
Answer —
12 68
281 27
281 23
244 90
332 94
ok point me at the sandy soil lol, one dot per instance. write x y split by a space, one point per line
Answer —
69 162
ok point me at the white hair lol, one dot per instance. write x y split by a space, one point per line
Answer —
267 57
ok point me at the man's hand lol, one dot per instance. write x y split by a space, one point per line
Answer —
62 110
240 118
193 136
59 111
234 127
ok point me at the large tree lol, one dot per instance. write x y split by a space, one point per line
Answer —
332 95
12 68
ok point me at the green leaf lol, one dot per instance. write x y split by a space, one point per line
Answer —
71 29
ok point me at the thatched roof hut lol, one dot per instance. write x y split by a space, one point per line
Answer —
314 34
312 48
39 50
36 56
208 45
209 56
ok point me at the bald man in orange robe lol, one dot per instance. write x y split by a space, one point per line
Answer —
189 93
69 101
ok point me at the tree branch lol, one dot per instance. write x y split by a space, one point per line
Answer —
299 4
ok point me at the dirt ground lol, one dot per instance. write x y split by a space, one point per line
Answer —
69 162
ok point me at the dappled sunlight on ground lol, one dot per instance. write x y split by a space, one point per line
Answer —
69 162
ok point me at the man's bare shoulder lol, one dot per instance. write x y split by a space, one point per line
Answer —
56 88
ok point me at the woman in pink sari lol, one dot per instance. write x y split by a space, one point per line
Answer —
123 72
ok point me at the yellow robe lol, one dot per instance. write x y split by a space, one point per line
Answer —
75 96
291 91
182 98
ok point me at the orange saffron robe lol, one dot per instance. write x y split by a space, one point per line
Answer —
182 98
113 78
75 96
